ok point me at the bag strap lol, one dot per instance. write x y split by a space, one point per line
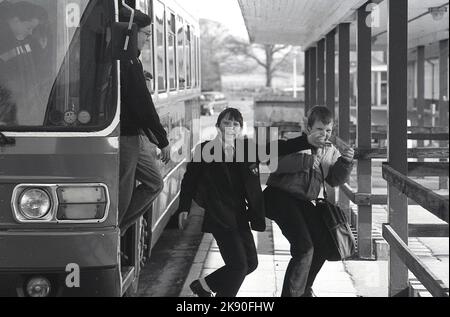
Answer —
325 194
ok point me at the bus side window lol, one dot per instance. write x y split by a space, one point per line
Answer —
188 57
147 54
180 54
197 61
160 17
192 50
199 69
171 29
194 56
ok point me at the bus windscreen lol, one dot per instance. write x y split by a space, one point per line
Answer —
56 67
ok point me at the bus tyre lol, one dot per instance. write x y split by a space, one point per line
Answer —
144 243
148 234
142 249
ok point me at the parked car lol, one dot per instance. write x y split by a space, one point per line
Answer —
212 102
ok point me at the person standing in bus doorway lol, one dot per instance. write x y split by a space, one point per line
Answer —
229 190
289 197
19 80
141 132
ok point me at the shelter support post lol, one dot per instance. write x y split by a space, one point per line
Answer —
330 71
344 96
313 76
397 135
443 98
321 72
307 99
330 75
364 138
420 89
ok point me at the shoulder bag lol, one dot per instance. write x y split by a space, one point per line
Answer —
341 244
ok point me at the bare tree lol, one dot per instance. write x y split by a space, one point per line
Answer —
223 53
270 57
213 36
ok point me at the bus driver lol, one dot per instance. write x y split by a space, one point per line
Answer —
18 76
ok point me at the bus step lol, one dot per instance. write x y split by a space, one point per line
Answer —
127 277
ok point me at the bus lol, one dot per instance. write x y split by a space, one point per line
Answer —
59 143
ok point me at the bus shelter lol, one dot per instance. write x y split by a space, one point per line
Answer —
341 40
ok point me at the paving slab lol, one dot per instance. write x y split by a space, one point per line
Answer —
336 279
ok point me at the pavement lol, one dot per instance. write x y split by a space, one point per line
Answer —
336 279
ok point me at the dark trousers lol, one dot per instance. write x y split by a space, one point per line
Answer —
238 251
305 230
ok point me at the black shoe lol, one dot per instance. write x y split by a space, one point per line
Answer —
309 293
198 289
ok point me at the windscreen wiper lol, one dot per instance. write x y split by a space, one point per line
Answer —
4 140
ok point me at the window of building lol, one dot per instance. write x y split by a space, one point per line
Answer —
432 79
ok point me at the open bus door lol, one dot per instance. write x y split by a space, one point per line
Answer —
135 243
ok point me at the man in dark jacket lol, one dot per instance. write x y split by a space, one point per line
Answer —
229 190
140 125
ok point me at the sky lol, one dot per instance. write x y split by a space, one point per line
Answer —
227 12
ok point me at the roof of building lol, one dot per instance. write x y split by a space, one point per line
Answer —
304 22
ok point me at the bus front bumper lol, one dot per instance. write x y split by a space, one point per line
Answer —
82 263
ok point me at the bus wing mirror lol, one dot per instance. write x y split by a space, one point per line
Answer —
124 41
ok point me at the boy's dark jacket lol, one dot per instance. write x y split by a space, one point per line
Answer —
209 184
138 110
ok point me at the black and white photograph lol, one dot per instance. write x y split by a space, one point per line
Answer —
223 155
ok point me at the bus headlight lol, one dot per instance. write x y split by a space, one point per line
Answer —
34 203
60 203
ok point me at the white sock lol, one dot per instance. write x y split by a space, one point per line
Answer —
204 285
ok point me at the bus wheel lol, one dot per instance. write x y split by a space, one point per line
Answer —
141 249
148 233
144 242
